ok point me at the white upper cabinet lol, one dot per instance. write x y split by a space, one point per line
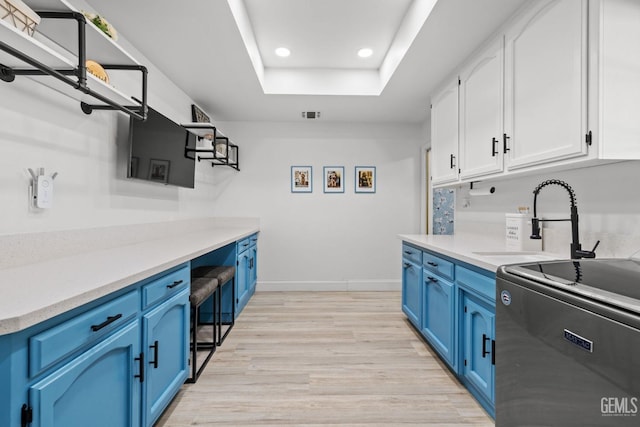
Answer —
481 113
546 84
557 88
444 134
614 76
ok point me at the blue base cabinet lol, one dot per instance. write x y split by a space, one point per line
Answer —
438 316
117 361
477 309
478 345
165 330
98 388
412 284
246 275
452 304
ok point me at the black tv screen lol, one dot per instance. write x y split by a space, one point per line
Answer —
157 151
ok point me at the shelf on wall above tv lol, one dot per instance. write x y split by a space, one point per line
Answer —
222 152
58 49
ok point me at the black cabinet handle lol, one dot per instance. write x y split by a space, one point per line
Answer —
408 252
451 161
140 361
494 142
154 362
432 264
245 245
110 320
493 352
26 415
432 279
485 338
174 284
406 265
504 143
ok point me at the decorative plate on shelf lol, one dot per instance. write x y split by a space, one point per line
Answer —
96 69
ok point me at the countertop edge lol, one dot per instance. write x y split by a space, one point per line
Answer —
462 248
100 273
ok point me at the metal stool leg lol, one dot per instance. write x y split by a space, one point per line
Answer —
194 344
233 312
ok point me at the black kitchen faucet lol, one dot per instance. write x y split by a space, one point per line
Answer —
576 247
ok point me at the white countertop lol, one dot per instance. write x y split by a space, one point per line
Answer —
36 292
476 249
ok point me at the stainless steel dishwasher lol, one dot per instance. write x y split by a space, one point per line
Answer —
568 343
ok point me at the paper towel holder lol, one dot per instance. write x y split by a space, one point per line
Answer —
480 192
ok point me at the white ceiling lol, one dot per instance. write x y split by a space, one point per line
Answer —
199 46
325 33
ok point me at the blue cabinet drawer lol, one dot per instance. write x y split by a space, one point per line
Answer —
476 282
165 286
244 244
411 254
438 265
50 346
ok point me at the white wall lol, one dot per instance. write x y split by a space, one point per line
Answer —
608 200
324 241
317 240
40 127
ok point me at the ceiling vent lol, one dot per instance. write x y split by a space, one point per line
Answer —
311 114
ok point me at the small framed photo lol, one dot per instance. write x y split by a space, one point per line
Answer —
301 179
365 179
334 179
158 170
199 116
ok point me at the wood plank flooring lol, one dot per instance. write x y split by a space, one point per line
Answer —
323 359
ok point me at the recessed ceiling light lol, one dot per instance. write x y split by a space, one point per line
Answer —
283 52
365 52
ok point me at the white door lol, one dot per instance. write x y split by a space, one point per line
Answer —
444 134
481 113
545 84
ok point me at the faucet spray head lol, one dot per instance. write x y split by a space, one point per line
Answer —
535 229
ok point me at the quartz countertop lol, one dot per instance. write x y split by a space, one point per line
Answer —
34 292
477 249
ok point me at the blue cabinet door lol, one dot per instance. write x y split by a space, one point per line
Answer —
97 388
242 281
478 325
412 292
253 268
438 315
166 340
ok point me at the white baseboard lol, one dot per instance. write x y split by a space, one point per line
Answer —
333 286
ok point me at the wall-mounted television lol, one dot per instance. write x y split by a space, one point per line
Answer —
157 151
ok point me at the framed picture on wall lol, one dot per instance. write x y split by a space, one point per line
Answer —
365 179
333 179
199 116
301 179
158 170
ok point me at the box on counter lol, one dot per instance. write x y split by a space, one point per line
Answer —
518 231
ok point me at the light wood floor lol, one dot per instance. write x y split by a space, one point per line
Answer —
324 358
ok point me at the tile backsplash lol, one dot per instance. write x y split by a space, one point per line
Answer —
444 206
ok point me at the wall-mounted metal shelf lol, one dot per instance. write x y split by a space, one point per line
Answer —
58 49
222 152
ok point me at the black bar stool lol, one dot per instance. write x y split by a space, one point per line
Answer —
223 274
202 287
